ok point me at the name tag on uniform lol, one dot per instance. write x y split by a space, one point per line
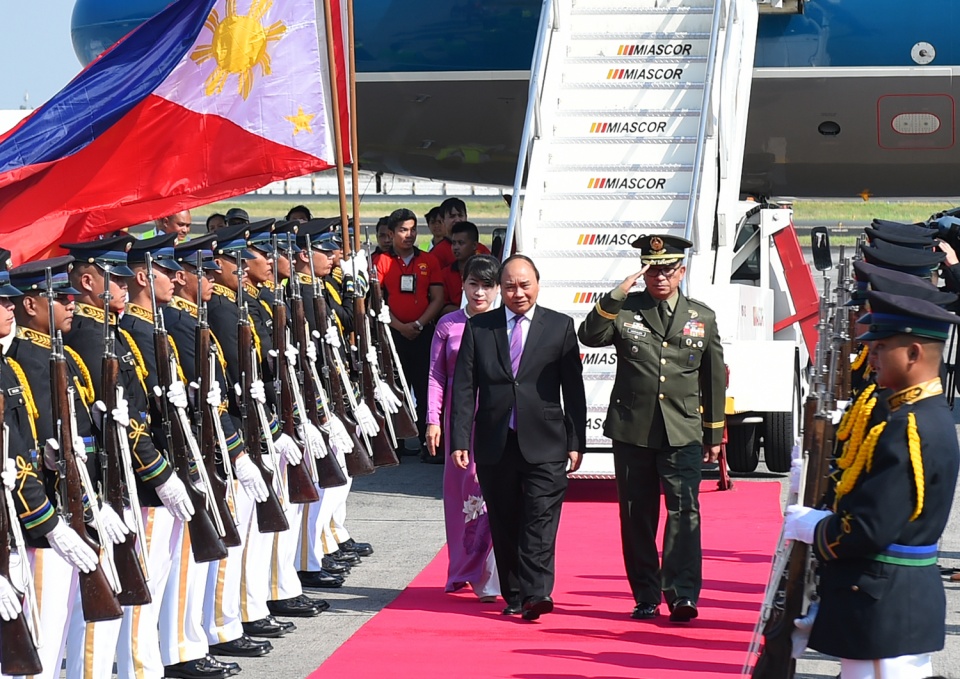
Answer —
693 328
14 391
128 359
635 329
408 283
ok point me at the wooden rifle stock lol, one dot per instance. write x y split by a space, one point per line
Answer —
404 423
205 541
18 654
96 595
270 516
384 454
329 473
208 440
133 581
359 463
300 486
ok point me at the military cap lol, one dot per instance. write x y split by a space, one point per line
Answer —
6 290
161 251
106 253
661 248
32 276
237 213
908 260
232 240
314 230
898 237
900 283
286 235
903 315
186 252
915 229
261 236
5 257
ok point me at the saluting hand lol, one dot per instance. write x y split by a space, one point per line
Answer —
632 279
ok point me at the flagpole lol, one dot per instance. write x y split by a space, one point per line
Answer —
337 135
354 137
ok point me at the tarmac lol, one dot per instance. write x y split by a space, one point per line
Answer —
399 510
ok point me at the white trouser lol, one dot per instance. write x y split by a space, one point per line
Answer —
221 603
91 646
284 582
902 667
339 519
317 519
255 562
138 650
181 612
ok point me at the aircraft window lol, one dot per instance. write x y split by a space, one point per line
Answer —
750 269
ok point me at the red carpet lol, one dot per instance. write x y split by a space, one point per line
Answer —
426 634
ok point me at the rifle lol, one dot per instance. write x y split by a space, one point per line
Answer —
256 429
384 453
205 526
329 473
18 637
404 420
210 433
776 659
360 463
99 588
118 478
301 478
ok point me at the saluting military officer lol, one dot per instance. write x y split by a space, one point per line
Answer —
665 419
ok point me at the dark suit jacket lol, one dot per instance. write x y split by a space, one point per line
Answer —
484 383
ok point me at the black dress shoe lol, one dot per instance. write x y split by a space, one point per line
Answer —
285 625
231 668
683 609
320 604
201 668
321 578
264 627
292 608
512 609
349 558
360 548
244 647
334 567
645 611
536 606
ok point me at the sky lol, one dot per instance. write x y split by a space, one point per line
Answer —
36 52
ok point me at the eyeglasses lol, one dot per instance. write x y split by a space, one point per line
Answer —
658 271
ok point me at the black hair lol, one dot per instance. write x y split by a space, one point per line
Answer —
300 208
432 214
383 221
513 258
451 204
215 214
483 268
468 228
398 217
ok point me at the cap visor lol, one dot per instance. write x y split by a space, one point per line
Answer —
168 264
7 290
121 270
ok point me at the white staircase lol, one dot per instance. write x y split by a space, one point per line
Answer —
628 102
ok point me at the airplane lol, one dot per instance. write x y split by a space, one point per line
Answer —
850 97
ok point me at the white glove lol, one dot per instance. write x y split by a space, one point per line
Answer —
373 358
386 398
51 452
291 354
366 420
174 497
176 394
800 522
338 435
311 350
114 528
215 395
9 473
384 316
317 444
80 449
120 414
251 479
332 337
258 392
9 601
289 449
72 548
801 635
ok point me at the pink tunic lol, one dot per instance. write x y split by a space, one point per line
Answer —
469 545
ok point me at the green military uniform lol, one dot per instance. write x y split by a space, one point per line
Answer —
667 403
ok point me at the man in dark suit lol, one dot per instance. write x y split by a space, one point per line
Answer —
513 366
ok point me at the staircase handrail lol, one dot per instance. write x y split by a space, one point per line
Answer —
532 121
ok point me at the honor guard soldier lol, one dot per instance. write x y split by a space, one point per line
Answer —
192 290
882 604
161 494
666 417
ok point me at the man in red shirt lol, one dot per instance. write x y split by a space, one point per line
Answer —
413 289
465 241
452 212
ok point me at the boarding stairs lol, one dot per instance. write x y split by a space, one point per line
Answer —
636 125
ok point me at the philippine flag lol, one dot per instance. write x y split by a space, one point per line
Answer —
207 100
